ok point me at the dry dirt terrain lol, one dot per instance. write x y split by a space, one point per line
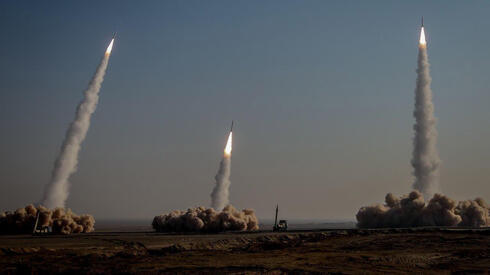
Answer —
330 251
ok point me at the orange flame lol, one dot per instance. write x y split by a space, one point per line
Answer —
109 49
422 41
228 145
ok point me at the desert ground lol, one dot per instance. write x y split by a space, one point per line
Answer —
441 250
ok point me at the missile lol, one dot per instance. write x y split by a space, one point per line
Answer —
422 21
114 36
231 128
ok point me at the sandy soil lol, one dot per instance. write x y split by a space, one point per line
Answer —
336 251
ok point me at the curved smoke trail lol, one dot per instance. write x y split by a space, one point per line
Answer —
425 158
220 194
56 191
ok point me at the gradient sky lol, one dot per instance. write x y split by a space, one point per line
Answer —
321 92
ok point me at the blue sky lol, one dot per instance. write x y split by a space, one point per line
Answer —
321 93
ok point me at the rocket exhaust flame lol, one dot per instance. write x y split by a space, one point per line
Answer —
422 41
56 192
228 144
109 48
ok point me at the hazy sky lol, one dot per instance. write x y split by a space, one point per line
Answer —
321 92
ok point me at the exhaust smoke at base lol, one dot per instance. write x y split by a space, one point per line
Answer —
61 221
201 219
412 211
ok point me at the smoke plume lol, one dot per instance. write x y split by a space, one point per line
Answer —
425 158
62 221
201 219
220 194
411 211
56 191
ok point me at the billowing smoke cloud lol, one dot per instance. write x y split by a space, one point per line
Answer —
62 221
201 219
411 211
56 191
220 194
425 158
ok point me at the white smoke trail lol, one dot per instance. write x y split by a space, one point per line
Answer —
220 194
425 158
56 191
